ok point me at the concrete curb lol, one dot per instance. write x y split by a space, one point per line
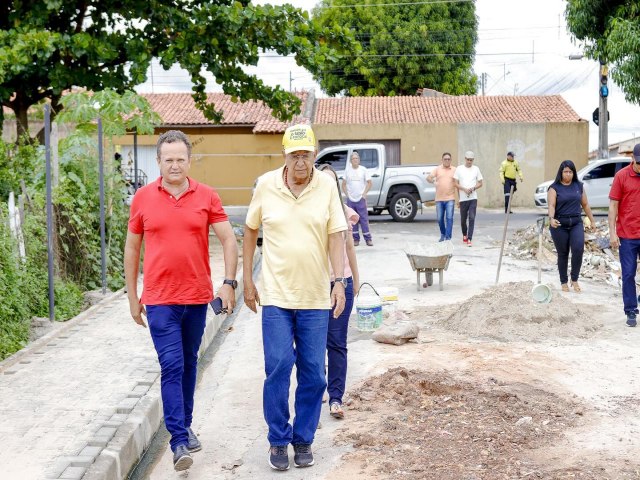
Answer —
132 437
64 326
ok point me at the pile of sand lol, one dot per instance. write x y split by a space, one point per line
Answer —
508 312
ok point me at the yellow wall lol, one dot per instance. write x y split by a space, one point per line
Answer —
230 159
566 141
418 143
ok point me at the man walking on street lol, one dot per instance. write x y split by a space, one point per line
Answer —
172 216
509 168
356 184
624 230
446 195
302 219
468 179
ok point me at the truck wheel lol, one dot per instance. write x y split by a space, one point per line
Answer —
403 207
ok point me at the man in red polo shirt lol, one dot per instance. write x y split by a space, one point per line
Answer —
624 229
172 215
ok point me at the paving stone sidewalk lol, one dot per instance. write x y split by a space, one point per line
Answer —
84 401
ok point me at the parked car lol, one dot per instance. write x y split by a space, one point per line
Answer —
398 188
597 178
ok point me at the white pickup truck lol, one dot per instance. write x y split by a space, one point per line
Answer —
398 188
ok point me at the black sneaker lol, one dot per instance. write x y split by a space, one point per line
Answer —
303 456
181 458
193 444
631 319
279 457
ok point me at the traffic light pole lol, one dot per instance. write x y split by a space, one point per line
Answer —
603 120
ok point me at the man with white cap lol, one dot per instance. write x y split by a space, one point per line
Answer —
468 179
624 230
302 219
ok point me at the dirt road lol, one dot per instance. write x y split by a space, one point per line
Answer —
496 387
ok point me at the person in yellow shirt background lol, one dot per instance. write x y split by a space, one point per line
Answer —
509 168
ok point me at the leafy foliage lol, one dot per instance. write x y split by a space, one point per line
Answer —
401 47
24 283
51 46
610 30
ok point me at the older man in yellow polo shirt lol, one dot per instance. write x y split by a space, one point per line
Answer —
302 222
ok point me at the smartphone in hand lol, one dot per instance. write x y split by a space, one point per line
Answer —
216 304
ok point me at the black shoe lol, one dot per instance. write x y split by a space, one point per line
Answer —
193 444
279 457
303 456
631 319
181 458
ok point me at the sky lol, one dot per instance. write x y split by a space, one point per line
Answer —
523 47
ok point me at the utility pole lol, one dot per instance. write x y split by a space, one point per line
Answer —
290 80
483 82
603 113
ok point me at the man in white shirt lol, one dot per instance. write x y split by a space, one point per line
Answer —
355 184
468 179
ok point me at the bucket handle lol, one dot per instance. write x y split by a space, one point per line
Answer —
367 283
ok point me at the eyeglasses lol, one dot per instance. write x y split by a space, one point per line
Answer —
301 156
469 159
446 159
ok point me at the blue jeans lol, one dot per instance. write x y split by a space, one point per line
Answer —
176 331
569 237
337 348
444 210
293 337
629 251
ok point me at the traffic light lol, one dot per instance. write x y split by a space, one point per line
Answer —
604 78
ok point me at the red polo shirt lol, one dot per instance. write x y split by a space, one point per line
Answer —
626 189
176 236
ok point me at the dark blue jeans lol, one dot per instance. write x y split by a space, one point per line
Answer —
293 337
629 251
361 209
337 348
444 210
176 331
569 237
468 209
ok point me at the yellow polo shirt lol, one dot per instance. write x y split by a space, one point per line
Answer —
295 245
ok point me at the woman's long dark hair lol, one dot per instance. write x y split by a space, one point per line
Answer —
563 165
326 166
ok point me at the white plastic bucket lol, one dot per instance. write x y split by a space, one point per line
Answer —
368 310
541 293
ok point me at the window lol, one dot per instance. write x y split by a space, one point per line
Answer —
606 170
337 159
621 165
368 158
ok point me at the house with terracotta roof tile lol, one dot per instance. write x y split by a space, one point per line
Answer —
228 156
541 130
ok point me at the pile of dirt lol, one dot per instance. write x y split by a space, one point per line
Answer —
507 312
598 262
413 424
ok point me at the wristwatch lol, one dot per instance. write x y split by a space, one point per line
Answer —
341 280
233 283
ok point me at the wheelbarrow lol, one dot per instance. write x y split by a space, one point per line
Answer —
430 261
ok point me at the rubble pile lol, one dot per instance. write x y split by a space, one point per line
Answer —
599 261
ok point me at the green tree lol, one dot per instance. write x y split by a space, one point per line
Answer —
610 31
49 46
402 47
